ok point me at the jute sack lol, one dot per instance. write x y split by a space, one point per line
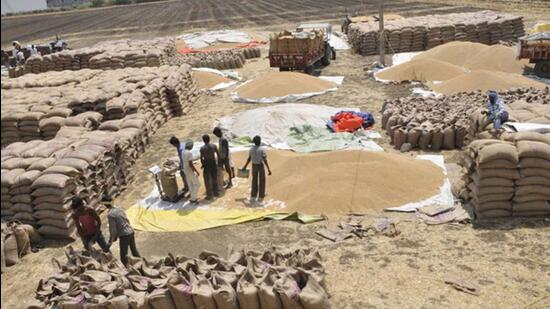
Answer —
449 138
481 191
247 291
399 137
161 299
31 231
493 213
169 184
542 206
505 205
224 294
500 163
23 241
202 293
533 180
437 139
58 181
51 231
529 149
288 291
535 163
498 152
528 172
492 197
137 300
10 250
530 198
512 174
531 136
530 213
118 302
268 298
313 296
533 189
181 294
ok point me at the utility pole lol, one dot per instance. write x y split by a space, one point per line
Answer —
381 38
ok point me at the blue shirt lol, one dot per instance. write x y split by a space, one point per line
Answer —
496 109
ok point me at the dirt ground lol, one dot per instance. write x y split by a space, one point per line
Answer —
507 259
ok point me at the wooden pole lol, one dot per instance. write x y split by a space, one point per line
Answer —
381 38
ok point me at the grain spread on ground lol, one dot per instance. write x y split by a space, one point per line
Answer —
485 81
497 58
457 53
280 84
207 80
421 70
339 182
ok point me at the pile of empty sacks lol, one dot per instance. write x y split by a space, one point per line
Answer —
451 122
247 280
509 177
222 59
424 32
37 106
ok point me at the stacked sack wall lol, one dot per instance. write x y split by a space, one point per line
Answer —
37 106
509 177
108 55
270 279
424 32
450 122
220 59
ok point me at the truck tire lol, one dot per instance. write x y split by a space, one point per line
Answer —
542 69
284 69
309 69
327 57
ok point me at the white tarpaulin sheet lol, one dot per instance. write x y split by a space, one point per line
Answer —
338 80
221 86
198 40
527 127
339 41
445 196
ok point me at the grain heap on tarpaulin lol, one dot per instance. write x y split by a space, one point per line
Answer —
509 177
222 59
16 239
36 106
449 122
424 32
247 279
108 55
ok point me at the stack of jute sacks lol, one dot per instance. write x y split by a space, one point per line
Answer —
222 59
35 108
449 122
16 239
107 55
509 177
247 279
424 32
295 42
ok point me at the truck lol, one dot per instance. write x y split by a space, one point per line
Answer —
301 49
536 48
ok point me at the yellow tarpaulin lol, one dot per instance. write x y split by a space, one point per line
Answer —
144 219
541 27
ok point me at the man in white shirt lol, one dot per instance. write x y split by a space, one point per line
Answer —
258 157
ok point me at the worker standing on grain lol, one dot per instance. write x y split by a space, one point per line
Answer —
191 173
209 157
119 228
88 225
496 110
174 141
258 157
224 160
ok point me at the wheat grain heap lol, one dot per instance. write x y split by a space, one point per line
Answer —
247 279
445 122
36 106
108 55
509 177
424 32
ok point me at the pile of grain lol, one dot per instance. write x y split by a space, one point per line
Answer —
423 70
497 58
424 32
280 84
247 279
107 55
340 182
223 59
509 178
36 106
457 53
449 122
207 80
485 81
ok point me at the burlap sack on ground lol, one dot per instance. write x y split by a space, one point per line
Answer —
528 149
498 152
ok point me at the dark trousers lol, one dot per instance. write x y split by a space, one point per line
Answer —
184 179
258 180
224 163
87 241
124 243
210 175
